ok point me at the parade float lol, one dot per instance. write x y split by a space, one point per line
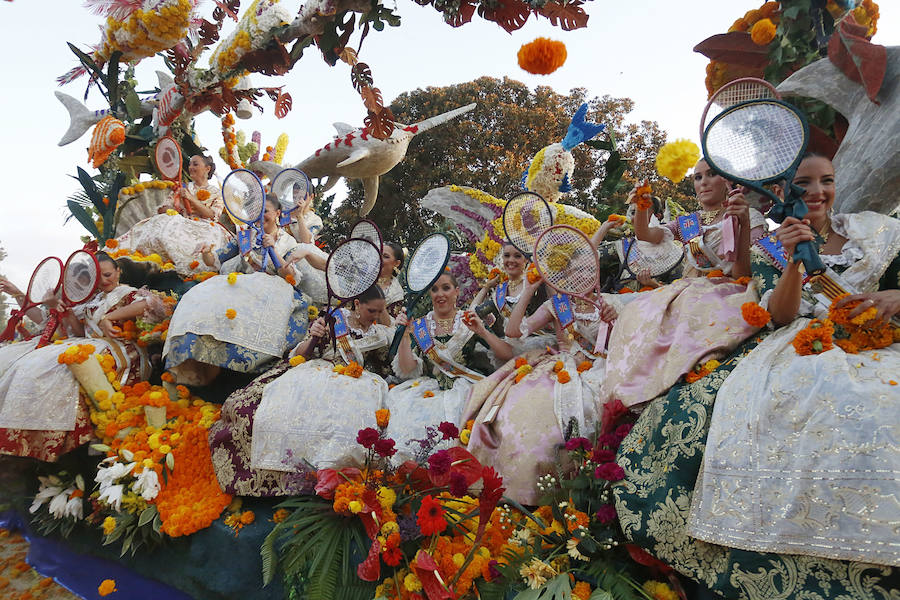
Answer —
137 490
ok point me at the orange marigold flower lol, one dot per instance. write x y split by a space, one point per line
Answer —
755 315
626 290
520 362
280 515
112 243
231 313
763 32
202 195
563 377
616 218
742 280
815 338
167 377
428 394
194 264
290 279
107 587
247 517
585 365
382 417
558 366
542 56
581 591
715 273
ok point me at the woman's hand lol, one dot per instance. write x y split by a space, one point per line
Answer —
306 202
886 302
51 301
402 320
471 320
646 280
207 254
737 206
268 240
319 328
792 232
287 267
109 329
492 282
607 312
8 287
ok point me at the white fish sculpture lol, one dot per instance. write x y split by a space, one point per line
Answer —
356 154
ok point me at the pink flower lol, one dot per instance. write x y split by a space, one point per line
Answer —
439 463
449 430
458 484
606 514
612 412
609 439
624 429
610 471
385 447
602 456
367 437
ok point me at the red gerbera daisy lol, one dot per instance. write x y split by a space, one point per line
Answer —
431 516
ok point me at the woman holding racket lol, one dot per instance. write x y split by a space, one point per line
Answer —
178 237
41 415
775 462
523 419
391 263
307 413
245 318
438 361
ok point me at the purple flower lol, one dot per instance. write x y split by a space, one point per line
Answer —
610 471
409 529
606 514
367 437
385 447
439 463
458 485
449 430
493 571
578 443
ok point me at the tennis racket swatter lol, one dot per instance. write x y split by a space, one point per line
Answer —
80 279
44 282
525 216
367 230
290 186
425 265
759 142
351 269
245 200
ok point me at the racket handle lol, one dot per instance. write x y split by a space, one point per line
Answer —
395 344
10 331
806 253
49 329
270 251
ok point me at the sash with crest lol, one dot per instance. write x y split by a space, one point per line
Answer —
562 306
341 335
429 348
500 295
691 234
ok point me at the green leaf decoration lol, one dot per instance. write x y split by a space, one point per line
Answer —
88 62
132 104
83 217
557 588
600 594
90 188
147 515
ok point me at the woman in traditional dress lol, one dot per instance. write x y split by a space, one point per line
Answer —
290 418
179 238
391 263
800 466
305 224
41 415
663 334
439 366
241 322
526 410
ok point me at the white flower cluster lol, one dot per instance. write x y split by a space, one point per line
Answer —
64 502
252 33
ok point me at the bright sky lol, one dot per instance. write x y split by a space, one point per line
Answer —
639 49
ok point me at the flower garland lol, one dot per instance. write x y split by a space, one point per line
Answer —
252 33
147 32
232 156
701 370
281 145
352 369
137 256
154 184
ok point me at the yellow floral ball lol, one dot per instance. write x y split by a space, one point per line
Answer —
763 32
675 158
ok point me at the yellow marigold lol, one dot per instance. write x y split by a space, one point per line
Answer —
247 517
763 32
109 525
411 583
280 515
659 590
382 417
313 313
232 278
542 56
464 436
107 587
675 158
297 360
231 313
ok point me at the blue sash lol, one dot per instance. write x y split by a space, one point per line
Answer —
689 227
500 295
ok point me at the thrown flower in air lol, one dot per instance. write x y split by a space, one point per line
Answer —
107 587
542 56
675 158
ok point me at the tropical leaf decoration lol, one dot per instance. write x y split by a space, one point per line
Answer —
94 200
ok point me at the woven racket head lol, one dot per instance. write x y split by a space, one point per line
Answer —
756 142
80 277
352 268
566 260
427 262
290 186
733 93
45 280
661 260
244 195
525 216
367 230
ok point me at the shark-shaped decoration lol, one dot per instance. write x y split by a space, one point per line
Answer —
354 153
867 162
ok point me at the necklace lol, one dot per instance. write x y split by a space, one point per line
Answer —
445 324
385 282
514 285
709 216
826 231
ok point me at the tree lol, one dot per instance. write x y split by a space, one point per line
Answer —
491 147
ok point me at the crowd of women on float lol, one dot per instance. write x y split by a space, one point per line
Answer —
530 374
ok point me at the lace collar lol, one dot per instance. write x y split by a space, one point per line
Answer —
432 325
